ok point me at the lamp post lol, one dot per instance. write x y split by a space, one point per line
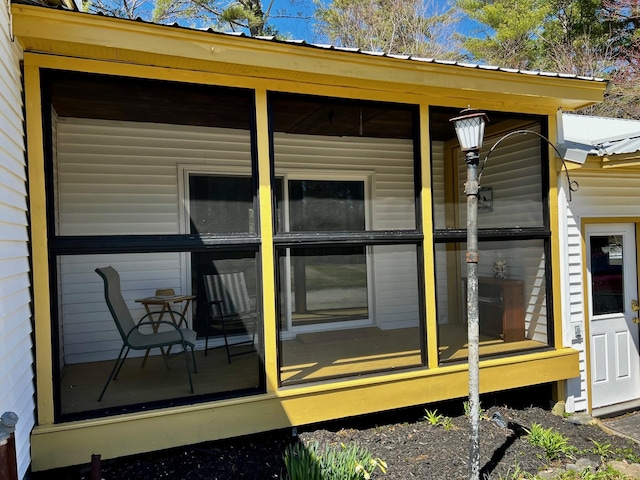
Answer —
470 131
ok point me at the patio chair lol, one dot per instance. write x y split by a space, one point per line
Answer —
230 311
132 335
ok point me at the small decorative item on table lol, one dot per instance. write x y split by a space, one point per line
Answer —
500 268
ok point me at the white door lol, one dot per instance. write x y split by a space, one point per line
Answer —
613 287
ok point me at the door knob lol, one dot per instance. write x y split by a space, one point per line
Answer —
634 305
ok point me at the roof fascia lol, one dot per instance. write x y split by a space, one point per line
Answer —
84 35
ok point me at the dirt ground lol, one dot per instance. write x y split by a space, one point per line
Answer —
410 445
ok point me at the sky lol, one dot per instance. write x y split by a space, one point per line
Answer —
300 28
294 19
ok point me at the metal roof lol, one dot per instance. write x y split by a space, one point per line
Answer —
305 44
586 135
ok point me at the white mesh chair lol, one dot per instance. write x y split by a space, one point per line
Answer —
132 336
230 312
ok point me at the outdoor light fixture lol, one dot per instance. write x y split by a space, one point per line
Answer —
470 131
469 128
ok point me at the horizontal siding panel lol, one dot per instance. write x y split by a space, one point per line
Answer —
13 233
12 215
122 177
16 357
88 330
12 196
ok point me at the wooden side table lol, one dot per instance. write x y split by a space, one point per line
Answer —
165 302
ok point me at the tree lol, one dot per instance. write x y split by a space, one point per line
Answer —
237 15
597 38
406 27
507 30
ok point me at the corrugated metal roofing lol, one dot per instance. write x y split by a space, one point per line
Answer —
305 44
601 136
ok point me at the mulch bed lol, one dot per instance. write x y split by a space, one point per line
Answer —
410 445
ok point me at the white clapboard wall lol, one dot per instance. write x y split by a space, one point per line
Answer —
514 175
16 356
603 195
119 178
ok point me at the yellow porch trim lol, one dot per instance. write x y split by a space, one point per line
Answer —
554 221
266 251
426 207
128 42
39 246
73 443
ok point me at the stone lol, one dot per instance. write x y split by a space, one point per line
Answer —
558 409
580 418
631 470
551 473
585 463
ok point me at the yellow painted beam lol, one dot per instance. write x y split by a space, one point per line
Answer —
554 223
73 443
117 40
266 250
428 246
620 161
39 246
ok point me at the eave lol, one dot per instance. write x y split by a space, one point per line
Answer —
81 35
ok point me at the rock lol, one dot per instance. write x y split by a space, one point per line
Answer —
580 418
582 464
558 409
630 470
551 473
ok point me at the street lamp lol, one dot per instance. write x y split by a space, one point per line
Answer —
470 131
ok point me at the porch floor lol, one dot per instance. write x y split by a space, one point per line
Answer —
308 357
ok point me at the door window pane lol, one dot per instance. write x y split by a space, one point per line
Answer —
328 285
221 204
335 332
606 274
325 205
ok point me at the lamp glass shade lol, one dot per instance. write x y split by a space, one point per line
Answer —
470 131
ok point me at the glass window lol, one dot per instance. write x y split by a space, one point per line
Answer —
336 333
221 204
513 231
90 342
512 298
327 285
326 205
606 274
347 305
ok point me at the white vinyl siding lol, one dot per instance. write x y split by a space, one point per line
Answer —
121 178
513 173
16 358
599 196
89 332
390 163
437 190
517 202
